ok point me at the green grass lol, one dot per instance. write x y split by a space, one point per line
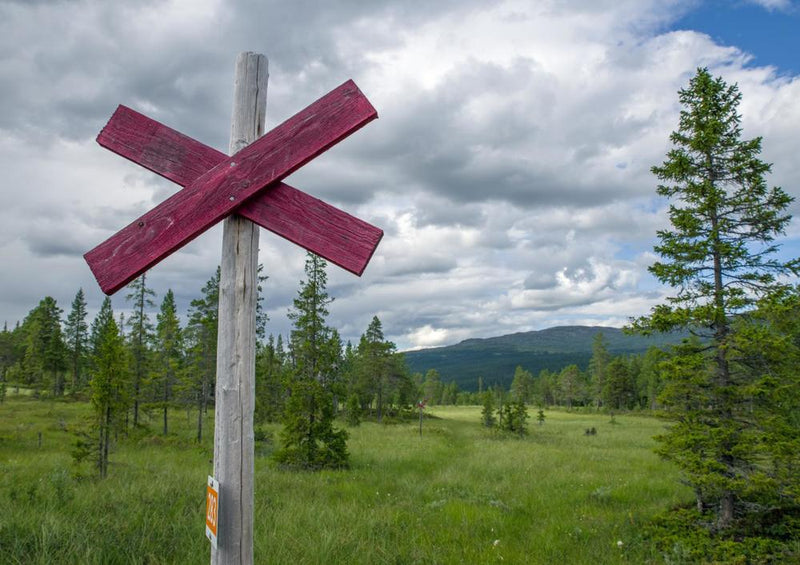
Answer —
458 494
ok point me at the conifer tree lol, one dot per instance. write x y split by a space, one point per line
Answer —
618 392
7 357
270 376
376 365
169 353
769 344
141 338
201 334
719 254
76 333
309 439
109 381
352 410
44 357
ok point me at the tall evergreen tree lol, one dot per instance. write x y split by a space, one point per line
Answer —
141 337
44 359
769 344
650 384
6 352
201 334
375 365
720 256
315 352
76 332
270 377
169 353
309 438
109 381
619 387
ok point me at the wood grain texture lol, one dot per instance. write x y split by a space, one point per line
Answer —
236 339
309 222
292 214
220 190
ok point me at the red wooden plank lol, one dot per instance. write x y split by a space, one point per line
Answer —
290 213
156 147
220 190
319 227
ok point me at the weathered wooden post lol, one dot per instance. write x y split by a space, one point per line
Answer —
243 187
235 391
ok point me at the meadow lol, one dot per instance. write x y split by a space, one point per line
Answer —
458 494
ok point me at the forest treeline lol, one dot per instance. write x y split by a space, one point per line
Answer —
170 364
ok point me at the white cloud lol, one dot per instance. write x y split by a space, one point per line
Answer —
509 167
772 4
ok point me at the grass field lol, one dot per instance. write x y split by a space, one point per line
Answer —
458 494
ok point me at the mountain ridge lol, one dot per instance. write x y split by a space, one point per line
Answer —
494 359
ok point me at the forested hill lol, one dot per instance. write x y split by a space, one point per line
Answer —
495 358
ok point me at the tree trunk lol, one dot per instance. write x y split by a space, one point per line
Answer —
726 510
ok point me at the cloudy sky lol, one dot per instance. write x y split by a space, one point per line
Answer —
509 168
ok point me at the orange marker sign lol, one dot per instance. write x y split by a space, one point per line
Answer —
212 507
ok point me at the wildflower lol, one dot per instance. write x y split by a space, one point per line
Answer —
620 544
496 543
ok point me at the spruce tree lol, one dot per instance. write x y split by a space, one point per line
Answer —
270 376
619 388
769 344
44 358
169 353
109 382
309 439
76 333
719 255
201 335
141 337
374 364
7 357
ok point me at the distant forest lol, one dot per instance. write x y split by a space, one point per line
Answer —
494 360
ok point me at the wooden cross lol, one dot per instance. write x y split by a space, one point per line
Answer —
217 185
243 188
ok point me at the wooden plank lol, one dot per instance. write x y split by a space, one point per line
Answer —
221 189
236 339
156 147
292 214
335 235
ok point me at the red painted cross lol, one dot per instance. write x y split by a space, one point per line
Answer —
247 183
